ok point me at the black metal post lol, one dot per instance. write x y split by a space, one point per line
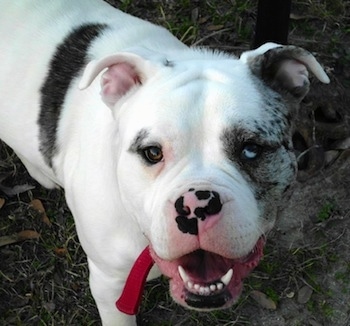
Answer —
272 22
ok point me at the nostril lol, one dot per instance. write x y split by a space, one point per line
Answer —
186 210
180 208
214 205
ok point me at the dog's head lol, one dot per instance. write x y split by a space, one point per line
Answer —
204 156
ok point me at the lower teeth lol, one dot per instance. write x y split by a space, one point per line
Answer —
205 290
208 289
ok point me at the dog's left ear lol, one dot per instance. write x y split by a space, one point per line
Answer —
122 72
284 68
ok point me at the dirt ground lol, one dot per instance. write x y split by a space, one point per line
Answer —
304 278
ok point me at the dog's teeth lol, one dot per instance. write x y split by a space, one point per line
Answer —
205 289
183 274
227 277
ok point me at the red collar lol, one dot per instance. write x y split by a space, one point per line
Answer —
130 299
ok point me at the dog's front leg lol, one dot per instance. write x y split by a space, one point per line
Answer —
106 289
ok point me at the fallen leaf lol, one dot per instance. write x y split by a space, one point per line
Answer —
301 17
214 28
60 252
203 20
18 237
37 205
263 300
16 190
2 202
331 156
341 144
27 235
8 239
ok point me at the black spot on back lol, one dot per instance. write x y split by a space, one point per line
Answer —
68 60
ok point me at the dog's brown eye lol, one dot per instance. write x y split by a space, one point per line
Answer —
153 154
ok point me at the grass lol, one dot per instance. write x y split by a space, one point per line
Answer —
45 281
326 211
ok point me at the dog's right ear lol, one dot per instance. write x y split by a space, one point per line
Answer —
284 68
123 72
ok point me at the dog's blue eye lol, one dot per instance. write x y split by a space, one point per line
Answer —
250 151
152 154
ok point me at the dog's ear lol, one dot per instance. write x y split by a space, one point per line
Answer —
123 72
284 68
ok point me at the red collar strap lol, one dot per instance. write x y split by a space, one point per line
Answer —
130 299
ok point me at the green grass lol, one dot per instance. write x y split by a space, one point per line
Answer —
326 211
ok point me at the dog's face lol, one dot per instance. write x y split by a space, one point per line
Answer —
204 156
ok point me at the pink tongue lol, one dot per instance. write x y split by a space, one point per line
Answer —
130 299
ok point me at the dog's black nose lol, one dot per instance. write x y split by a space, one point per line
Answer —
195 206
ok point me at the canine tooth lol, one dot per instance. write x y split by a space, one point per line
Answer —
183 274
212 287
190 285
227 277
220 286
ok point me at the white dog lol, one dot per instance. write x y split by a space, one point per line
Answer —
184 152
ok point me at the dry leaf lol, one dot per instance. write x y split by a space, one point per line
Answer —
16 190
263 300
2 202
8 239
214 28
60 252
27 234
203 20
301 17
37 205
20 236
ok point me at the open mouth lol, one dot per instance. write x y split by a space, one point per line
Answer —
203 280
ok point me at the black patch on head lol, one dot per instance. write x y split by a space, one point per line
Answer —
67 62
271 172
